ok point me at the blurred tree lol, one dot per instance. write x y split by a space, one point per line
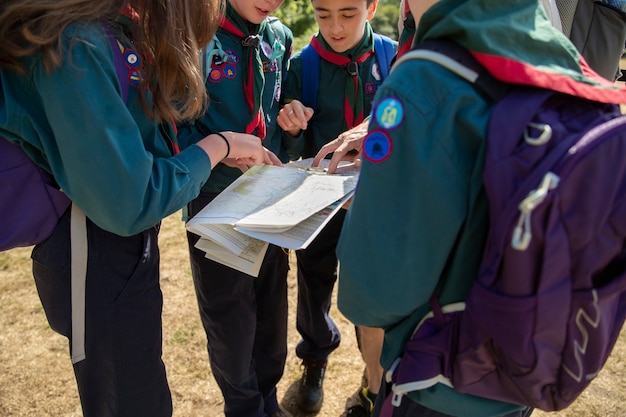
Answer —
385 21
298 16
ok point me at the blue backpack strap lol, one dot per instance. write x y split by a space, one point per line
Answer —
385 52
310 76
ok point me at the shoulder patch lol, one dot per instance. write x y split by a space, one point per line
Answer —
377 146
389 113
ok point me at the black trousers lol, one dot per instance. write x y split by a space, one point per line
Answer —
123 373
317 274
245 320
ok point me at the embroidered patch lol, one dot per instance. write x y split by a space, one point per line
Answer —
231 56
132 58
215 75
376 72
377 146
229 71
370 88
389 113
135 70
277 91
267 49
270 66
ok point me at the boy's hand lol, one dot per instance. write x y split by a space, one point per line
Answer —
345 148
293 117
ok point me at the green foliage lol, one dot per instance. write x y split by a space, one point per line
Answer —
385 21
298 16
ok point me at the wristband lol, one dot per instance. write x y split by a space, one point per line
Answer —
227 143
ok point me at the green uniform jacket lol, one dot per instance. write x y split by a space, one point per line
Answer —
328 122
107 156
228 110
419 213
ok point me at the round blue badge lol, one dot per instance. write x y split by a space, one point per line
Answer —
132 59
389 113
229 71
377 146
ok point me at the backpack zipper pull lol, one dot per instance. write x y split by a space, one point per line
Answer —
522 233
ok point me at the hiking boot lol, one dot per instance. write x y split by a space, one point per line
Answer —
310 392
358 411
367 399
281 412
366 407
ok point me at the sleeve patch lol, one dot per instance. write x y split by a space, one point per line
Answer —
389 113
377 146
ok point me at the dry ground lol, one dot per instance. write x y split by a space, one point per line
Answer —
36 379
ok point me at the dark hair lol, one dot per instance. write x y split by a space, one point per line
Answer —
168 35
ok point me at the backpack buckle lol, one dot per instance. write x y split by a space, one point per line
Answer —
396 399
522 233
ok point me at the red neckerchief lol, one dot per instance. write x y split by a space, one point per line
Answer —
340 60
257 120
130 13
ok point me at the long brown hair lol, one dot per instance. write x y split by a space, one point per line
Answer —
169 35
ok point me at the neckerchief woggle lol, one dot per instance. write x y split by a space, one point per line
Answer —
353 96
253 77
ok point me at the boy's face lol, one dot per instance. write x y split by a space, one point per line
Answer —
342 22
254 11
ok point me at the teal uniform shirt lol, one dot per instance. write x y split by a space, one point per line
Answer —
228 110
108 156
328 121
419 213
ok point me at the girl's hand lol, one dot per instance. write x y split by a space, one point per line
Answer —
239 150
269 158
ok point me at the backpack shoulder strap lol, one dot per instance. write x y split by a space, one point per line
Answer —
385 51
120 63
457 59
310 76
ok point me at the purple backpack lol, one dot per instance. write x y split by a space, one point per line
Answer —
32 203
548 304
